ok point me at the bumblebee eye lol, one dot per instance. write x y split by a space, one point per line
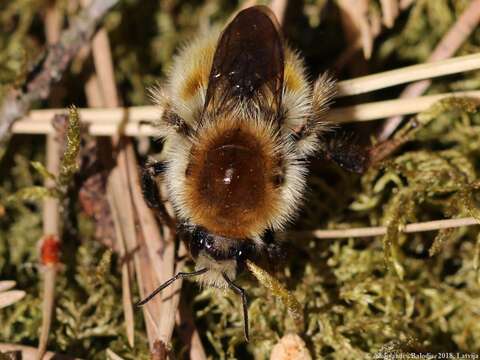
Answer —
196 241
242 252
209 242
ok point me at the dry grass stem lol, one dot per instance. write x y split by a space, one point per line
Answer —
112 356
125 217
154 241
51 206
356 24
383 109
390 10
450 43
382 230
137 121
7 285
105 122
30 353
407 74
104 81
160 246
126 281
406 3
189 333
171 295
48 303
10 297
279 7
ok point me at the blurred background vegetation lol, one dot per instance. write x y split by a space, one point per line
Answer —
398 293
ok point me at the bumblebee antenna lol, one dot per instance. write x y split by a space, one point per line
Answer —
242 294
180 275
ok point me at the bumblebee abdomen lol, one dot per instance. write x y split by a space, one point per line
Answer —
232 177
230 181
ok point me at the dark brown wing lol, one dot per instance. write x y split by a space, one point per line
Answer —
248 63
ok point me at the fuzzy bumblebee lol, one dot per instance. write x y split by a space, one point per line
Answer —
240 120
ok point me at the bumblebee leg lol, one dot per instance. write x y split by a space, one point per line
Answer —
356 158
149 184
349 155
242 294
151 193
180 275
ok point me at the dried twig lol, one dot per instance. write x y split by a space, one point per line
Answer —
382 230
406 3
450 43
51 66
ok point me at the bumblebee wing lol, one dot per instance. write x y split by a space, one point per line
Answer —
248 64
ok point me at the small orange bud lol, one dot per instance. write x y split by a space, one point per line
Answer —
50 250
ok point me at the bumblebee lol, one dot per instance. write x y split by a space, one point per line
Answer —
240 120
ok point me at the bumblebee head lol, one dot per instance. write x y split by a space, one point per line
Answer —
218 254
218 260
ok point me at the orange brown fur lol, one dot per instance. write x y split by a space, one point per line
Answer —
294 75
188 78
229 186
194 82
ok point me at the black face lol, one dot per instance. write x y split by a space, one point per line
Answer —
217 247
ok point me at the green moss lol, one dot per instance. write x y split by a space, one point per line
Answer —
393 294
